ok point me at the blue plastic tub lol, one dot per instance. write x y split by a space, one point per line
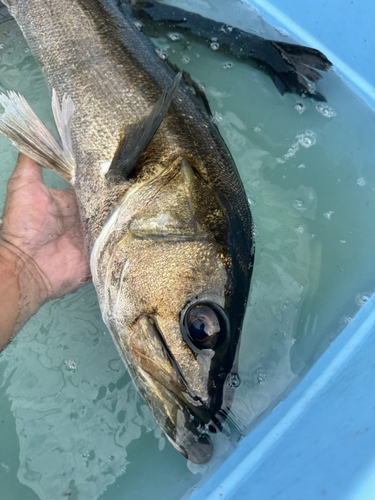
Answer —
320 441
71 423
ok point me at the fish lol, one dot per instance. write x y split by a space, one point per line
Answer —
293 68
166 219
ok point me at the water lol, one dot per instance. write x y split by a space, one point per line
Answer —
71 423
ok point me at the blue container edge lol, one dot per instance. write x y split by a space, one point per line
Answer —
254 448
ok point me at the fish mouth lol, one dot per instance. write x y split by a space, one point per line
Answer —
196 447
185 417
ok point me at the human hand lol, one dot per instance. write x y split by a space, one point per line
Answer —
44 225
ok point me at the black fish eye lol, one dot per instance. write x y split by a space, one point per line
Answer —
204 325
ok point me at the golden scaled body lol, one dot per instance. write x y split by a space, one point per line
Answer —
170 238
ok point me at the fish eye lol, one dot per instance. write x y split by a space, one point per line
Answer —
204 325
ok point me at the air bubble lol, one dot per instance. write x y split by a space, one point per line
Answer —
300 229
227 65
216 118
214 46
256 231
302 165
251 200
226 28
70 365
88 455
257 129
233 380
261 377
185 59
328 214
307 139
138 25
346 320
361 182
325 110
361 299
162 54
300 107
174 37
299 205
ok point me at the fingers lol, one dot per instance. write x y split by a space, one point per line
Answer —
25 172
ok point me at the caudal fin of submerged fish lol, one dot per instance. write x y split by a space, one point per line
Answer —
291 67
29 134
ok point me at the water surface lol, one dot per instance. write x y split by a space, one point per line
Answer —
71 423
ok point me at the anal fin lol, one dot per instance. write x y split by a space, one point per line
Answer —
29 134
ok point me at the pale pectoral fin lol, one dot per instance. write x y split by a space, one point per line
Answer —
28 133
138 138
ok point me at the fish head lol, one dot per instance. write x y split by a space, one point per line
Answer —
168 302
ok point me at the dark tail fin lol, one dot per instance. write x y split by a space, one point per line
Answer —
293 68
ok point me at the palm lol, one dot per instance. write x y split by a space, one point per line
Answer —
44 223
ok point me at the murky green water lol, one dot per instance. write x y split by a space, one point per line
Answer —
71 423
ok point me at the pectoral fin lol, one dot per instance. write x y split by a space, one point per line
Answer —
29 134
138 138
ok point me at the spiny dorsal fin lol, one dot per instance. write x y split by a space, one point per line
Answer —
138 138
193 86
198 90
29 134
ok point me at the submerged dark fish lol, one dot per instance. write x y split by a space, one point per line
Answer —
166 219
293 68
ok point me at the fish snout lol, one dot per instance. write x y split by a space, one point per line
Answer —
185 416
196 448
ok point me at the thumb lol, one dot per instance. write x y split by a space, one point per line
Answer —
26 171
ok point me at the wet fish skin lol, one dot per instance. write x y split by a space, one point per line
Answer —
173 239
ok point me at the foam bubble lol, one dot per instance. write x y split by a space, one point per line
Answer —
325 110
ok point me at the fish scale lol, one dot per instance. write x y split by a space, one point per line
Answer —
161 287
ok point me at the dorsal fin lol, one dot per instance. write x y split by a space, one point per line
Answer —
199 92
138 138
193 86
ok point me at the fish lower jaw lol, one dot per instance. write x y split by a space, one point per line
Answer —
198 449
